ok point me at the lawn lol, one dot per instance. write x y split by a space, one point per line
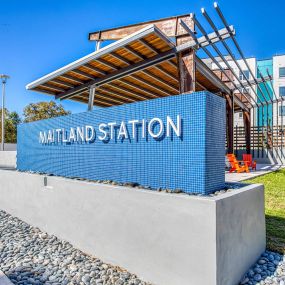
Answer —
274 208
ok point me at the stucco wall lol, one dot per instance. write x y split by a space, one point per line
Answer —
167 239
8 159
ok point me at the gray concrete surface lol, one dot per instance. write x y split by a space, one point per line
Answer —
240 229
4 280
166 239
8 159
261 169
10 147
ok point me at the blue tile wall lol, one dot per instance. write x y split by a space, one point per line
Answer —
193 162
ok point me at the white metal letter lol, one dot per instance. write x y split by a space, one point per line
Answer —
89 133
123 131
102 130
161 127
170 124
43 137
112 125
134 122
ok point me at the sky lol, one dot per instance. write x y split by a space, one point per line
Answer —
40 36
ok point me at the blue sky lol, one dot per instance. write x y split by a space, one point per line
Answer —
37 37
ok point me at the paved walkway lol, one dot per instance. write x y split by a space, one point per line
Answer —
261 170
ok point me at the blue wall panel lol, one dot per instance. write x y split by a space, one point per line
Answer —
193 162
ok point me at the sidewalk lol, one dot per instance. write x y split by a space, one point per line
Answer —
261 170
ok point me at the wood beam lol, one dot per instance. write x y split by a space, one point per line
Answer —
167 25
230 122
247 129
186 71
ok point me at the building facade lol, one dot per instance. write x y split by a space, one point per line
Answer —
268 114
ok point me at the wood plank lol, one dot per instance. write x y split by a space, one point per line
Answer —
168 26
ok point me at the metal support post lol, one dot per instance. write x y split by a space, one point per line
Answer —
92 90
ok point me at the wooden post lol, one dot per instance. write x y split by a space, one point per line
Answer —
186 71
230 122
185 59
247 130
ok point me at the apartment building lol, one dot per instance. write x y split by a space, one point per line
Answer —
270 91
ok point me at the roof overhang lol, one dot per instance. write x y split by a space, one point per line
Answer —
138 67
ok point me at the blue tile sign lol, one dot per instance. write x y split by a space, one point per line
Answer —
175 142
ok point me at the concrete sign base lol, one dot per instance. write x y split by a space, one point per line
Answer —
164 238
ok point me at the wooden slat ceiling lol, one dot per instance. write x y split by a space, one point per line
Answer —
155 81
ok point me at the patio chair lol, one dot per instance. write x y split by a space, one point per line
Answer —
247 158
237 165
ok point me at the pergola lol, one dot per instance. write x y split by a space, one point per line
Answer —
156 59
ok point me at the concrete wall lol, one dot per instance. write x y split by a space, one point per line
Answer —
10 147
166 239
240 233
8 159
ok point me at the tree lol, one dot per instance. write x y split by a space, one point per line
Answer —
12 119
43 110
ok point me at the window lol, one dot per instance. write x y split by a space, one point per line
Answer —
282 111
282 91
246 90
281 71
241 75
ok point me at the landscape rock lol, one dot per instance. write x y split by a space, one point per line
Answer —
29 256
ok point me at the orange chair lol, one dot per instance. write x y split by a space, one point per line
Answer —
247 158
236 165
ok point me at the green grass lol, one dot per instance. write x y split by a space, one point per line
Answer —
274 208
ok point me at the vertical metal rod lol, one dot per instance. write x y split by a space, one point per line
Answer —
98 44
258 122
91 97
262 129
267 113
282 125
279 131
236 148
253 131
3 115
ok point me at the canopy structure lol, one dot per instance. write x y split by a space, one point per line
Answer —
157 59
138 67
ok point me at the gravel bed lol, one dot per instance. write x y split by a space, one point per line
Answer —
29 256
269 269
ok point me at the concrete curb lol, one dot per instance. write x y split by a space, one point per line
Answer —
4 280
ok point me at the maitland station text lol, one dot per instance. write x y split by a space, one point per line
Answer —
154 128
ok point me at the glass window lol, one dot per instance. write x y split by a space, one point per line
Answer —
281 71
240 115
282 111
241 75
282 91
